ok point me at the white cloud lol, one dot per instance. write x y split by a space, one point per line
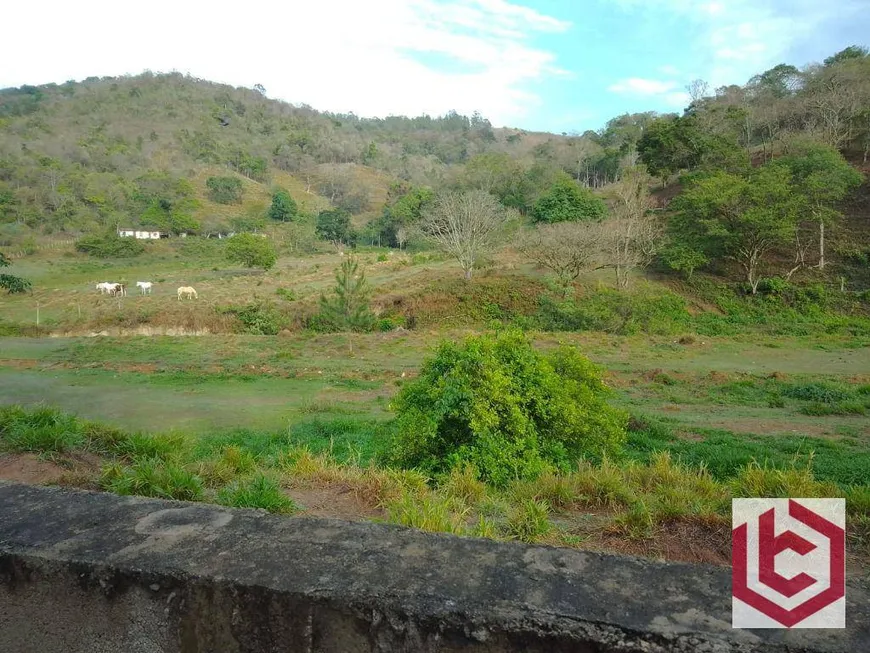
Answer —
373 58
652 88
639 86
669 70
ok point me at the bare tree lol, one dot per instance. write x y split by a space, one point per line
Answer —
632 233
835 99
567 248
697 89
401 236
465 225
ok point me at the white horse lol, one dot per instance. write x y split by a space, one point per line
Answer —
189 292
118 289
144 286
105 287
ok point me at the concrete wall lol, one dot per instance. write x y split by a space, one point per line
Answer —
84 572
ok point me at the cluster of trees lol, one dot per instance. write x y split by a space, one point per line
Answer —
744 218
624 238
829 103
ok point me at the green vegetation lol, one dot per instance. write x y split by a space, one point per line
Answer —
348 308
646 491
224 190
110 245
725 303
567 201
334 226
283 207
495 403
260 491
252 251
9 282
259 319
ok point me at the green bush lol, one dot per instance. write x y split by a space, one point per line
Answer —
286 294
259 318
773 286
568 201
252 251
14 285
682 258
110 246
513 413
334 225
9 282
283 206
820 409
817 391
224 190
390 323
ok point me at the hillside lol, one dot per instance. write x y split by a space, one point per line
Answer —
73 156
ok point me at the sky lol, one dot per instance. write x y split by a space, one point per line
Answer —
549 65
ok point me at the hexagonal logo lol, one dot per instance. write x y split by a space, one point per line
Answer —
789 563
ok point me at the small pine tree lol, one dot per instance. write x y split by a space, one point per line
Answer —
348 308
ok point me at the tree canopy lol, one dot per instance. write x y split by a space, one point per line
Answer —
283 207
741 218
334 225
252 251
566 201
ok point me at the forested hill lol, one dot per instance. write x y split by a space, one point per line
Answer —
185 154
79 155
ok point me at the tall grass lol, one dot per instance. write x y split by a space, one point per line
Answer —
661 480
260 491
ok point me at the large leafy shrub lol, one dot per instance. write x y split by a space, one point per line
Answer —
568 201
334 225
252 251
496 403
283 206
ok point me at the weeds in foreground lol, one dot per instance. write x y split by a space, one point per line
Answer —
528 521
261 491
629 498
153 477
429 512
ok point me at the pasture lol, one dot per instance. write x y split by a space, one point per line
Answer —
307 414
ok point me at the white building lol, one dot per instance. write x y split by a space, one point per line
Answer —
141 234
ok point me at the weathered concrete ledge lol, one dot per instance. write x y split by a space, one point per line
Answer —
85 572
